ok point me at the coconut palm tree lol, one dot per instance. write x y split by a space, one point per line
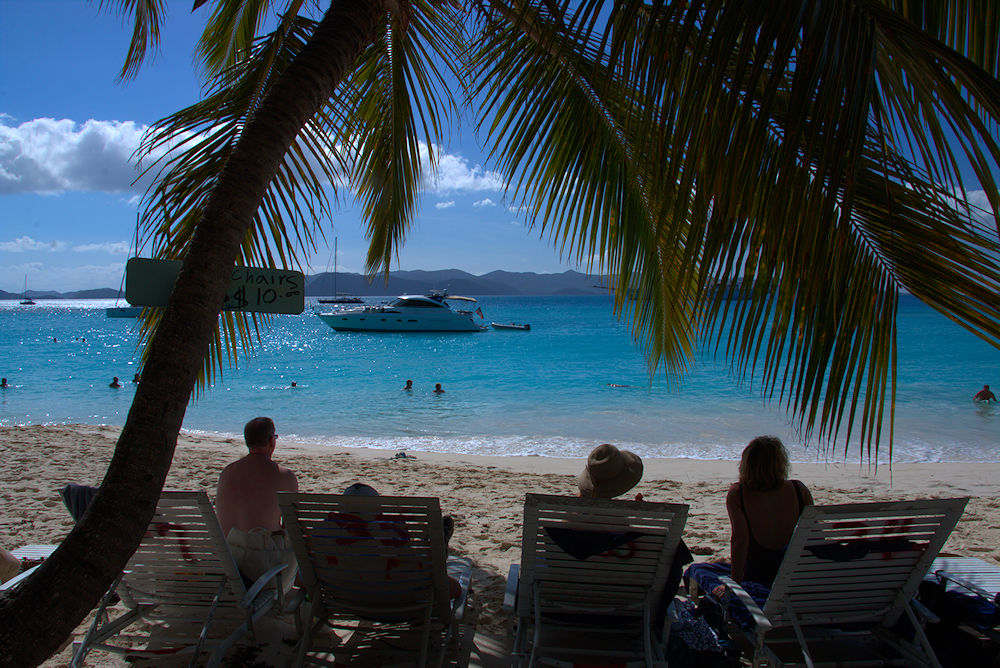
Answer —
764 178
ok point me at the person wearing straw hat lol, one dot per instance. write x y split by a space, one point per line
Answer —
610 472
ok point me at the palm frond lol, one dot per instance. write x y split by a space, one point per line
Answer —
398 85
750 172
196 143
562 138
233 28
146 16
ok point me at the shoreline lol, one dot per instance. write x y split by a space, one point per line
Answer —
485 494
974 478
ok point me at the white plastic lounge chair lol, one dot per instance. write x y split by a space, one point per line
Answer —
590 585
849 575
974 585
183 580
376 566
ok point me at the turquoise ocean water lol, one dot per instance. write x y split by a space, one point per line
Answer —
575 380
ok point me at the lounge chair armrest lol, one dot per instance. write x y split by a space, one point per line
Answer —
763 623
923 613
510 593
19 578
262 582
293 599
944 577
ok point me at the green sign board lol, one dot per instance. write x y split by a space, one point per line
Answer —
261 290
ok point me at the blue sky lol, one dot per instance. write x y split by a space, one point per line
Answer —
68 128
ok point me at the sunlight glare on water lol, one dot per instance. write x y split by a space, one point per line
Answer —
575 380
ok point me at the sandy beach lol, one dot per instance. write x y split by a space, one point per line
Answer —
484 494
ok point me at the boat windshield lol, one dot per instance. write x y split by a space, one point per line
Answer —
416 303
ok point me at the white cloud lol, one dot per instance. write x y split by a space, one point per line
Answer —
86 277
49 156
484 202
454 173
444 205
113 247
25 244
47 276
980 209
517 209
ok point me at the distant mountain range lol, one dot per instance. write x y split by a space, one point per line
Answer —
409 282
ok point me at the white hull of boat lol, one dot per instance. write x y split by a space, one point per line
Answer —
376 319
407 313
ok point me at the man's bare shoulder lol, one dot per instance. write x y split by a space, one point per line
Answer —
289 481
230 468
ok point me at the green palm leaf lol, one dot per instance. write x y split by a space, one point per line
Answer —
762 179
757 176
197 141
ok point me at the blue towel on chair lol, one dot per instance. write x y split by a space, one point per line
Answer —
77 499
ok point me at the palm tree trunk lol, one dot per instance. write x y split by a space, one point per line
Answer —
37 618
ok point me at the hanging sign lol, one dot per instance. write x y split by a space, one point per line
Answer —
257 289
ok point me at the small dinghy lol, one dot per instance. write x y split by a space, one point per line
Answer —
511 325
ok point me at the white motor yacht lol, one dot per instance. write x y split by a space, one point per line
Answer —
407 313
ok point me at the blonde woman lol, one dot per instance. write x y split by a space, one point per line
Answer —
763 507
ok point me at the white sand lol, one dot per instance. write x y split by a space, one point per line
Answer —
484 494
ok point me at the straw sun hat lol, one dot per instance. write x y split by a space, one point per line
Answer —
609 472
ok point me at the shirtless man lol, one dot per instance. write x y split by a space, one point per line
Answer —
984 395
246 502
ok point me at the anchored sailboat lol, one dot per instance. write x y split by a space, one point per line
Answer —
25 299
117 311
337 297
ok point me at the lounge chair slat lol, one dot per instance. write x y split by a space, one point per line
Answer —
856 565
590 558
183 569
380 560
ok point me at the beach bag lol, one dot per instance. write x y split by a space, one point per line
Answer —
695 644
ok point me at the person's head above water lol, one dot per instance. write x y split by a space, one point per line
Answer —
609 472
764 464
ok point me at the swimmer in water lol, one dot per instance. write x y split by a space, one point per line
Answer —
984 395
114 383
409 385
437 388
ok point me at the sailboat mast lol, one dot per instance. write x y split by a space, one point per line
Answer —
335 266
